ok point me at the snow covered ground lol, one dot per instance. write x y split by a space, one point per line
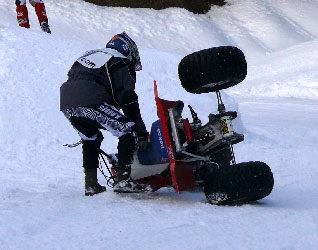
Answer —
42 205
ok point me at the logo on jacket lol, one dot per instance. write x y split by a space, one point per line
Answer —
88 62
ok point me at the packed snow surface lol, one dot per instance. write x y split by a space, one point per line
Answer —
42 202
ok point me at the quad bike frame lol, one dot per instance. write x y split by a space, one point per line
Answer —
189 156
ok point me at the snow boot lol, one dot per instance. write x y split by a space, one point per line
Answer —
92 186
42 17
45 27
22 16
124 183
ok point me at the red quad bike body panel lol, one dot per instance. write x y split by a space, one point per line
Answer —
182 173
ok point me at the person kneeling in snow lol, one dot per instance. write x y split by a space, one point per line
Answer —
100 83
23 17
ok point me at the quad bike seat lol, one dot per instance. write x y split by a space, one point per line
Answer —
156 151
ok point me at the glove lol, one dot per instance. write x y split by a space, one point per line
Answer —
142 134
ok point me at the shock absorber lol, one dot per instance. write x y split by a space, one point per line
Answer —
221 106
226 123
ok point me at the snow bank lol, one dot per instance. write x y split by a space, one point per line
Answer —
41 196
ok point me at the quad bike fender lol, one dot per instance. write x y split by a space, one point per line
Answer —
182 174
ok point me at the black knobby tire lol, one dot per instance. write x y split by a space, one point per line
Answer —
239 183
213 69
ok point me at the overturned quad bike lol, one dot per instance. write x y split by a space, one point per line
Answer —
191 155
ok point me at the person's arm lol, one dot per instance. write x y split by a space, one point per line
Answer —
124 86
123 83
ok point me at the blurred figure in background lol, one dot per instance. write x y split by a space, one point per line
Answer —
23 18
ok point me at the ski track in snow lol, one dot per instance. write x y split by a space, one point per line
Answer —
42 205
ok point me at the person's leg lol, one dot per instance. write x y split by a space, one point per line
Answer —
109 118
90 149
42 17
116 123
91 140
119 125
126 148
22 14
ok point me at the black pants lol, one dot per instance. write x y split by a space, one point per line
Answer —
89 120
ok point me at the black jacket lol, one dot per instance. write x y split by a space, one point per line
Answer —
90 86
